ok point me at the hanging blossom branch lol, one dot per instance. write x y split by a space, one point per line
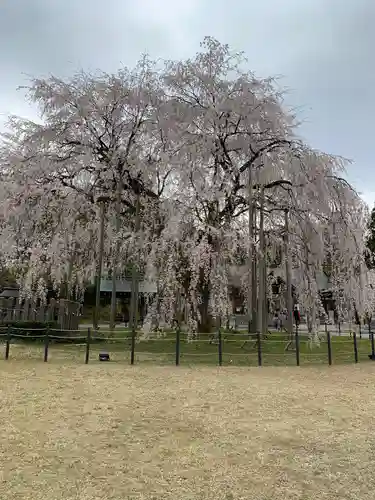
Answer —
181 141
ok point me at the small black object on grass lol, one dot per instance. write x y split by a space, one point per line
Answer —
372 356
104 356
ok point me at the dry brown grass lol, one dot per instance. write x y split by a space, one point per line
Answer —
107 431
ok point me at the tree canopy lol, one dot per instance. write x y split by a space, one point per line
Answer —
199 146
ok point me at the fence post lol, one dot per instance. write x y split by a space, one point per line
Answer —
297 345
220 344
329 345
369 329
46 344
7 345
355 347
259 345
132 349
372 345
178 344
88 340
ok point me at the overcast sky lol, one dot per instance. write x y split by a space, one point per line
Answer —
322 48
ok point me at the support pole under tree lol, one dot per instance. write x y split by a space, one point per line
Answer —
252 325
254 289
99 265
250 270
112 322
265 299
135 285
261 262
288 291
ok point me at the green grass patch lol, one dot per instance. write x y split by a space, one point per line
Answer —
238 349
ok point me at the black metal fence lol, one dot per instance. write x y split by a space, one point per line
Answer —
177 347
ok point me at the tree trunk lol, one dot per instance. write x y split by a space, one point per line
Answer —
265 303
205 321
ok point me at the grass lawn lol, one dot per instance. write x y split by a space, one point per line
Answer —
237 350
110 431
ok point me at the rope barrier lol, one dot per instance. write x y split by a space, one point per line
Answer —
65 338
27 329
27 336
283 353
193 353
156 339
108 339
243 354
153 353
81 330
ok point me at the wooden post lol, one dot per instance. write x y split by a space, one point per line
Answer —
220 343
132 348
88 340
178 331
7 345
369 328
297 346
259 345
355 347
329 345
46 345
